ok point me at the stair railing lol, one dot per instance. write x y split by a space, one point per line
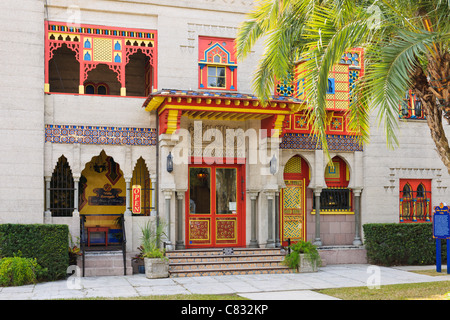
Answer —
82 241
124 246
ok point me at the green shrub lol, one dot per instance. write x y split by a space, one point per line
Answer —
18 271
49 244
401 244
292 260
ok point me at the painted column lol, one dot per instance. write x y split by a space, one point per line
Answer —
317 240
179 245
253 240
357 197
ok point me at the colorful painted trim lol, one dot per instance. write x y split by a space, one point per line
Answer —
100 135
309 142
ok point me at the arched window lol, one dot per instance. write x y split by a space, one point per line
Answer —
141 177
336 197
415 200
62 190
406 207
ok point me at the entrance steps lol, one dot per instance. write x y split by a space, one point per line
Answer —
225 261
104 263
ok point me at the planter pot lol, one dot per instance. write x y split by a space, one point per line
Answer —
305 264
156 268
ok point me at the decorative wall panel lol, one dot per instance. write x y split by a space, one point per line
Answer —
100 135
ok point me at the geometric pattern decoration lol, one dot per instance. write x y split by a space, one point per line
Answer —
350 58
68 134
226 230
293 210
294 165
292 227
309 142
292 198
199 230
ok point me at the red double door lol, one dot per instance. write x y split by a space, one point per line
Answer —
215 206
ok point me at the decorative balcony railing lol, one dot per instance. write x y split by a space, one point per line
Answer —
415 206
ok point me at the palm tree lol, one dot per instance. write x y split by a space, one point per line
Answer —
406 45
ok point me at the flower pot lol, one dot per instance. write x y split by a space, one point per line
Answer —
306 265
156 268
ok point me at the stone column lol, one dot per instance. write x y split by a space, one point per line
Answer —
277 220
179 244
47 212
253 240
167 199
127 196
317 240
357 197
270 237
153 179
127 216
75 227
76 180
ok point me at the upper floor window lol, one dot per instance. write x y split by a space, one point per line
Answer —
217 64
411 107
415 200
100 60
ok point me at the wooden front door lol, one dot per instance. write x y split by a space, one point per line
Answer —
293 201
215 206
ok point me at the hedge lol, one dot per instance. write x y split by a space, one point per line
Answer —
49 244
401 244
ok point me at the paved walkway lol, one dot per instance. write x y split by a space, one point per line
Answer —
293 286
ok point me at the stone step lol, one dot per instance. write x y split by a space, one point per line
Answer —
202 262
237 271
221 252
105 263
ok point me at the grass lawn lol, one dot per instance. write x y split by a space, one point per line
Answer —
412 291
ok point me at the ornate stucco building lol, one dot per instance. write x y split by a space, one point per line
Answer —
140 110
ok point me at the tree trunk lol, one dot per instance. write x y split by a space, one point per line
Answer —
429 91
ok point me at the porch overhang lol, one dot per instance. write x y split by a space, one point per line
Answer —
172 104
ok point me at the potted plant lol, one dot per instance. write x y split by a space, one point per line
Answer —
138 262
155 262
303 256
74 251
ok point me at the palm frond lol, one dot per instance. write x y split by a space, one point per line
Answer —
389 75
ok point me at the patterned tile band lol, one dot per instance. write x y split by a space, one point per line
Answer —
305 141
100 135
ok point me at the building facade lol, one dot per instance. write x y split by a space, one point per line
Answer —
141 110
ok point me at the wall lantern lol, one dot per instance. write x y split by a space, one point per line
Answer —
273 165
169 162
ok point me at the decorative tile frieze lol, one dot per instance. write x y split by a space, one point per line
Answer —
308 142
100 135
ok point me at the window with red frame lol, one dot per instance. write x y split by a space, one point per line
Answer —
415 200
217 64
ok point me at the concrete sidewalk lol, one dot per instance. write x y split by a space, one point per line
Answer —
293 286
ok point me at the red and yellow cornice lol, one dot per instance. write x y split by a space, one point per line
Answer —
172 104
